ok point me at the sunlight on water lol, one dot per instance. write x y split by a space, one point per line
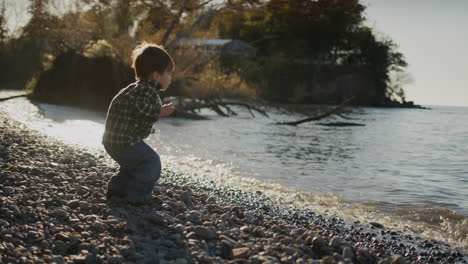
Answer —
84 128
448 227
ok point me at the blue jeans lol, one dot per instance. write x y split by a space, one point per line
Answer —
140 168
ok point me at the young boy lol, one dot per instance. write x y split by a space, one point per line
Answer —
130 119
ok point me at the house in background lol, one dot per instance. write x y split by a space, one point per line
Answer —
222 47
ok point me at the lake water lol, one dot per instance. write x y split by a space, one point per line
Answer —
406 168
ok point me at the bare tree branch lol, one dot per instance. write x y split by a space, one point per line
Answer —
332 111
13 97
224 104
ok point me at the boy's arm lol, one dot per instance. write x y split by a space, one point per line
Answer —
149 105
167 110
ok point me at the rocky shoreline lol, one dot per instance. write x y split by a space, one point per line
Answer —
53 210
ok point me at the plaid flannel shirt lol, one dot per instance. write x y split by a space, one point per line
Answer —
131 114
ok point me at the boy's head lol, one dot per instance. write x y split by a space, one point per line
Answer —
148 58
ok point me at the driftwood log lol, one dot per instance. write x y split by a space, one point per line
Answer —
13 97
335 110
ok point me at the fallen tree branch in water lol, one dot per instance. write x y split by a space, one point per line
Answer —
221 107
335 110
341 124
13 97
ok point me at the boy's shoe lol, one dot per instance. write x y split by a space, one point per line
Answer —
140 200
115 195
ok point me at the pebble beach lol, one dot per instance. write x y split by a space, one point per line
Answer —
53 209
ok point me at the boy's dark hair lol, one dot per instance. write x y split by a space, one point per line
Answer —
150 57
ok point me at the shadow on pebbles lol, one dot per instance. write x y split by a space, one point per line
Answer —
53 210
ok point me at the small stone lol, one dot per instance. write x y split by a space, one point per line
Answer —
186 197
57 260
385 261
90 259
98 227
8 190
348 253
156 218
127 252
204 232
179 228
61 247
61 213
44 244
398 260
74 203
289 250
376 225
191 235
336 242
211 200
180 261
226 249
240 252
228 239
78 259
328 260
318 243
365 256
62 236
245 229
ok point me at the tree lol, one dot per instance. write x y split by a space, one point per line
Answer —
398 79
3 30
38 25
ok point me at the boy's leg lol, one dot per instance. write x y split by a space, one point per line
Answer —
117 185
144 175
140 168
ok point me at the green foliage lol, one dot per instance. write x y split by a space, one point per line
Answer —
21 60
31 85
3 30
293 35
100 48
300 43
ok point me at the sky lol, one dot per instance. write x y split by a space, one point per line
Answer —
432 34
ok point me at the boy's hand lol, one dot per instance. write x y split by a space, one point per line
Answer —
167 110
